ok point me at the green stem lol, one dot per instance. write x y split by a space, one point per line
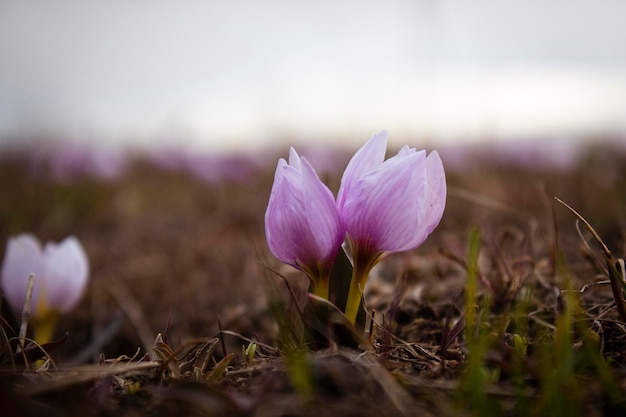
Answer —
364 261
320 286
354 295
43 327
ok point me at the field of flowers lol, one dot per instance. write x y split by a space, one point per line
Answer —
510 306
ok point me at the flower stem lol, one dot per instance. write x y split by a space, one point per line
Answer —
359 276
354 296
320 286
364 261
43 327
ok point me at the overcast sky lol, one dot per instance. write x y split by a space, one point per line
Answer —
230 73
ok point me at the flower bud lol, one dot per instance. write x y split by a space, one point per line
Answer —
393 205
61 272
302 223
387 206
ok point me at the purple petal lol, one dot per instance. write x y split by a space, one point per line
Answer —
406 151
369 157
66 273
22 257
294 159
279 169
383 210
321 212
302 223
61 273
277 214
436 194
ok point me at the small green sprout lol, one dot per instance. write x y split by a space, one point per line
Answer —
248 353
520 345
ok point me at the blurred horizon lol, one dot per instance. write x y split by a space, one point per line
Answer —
231 76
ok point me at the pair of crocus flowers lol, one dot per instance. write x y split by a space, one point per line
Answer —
61 273
383 207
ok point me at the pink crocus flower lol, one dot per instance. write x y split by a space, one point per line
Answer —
388 206
303 227
61 272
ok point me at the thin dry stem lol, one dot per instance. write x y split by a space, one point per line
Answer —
26 312
616 281
595 234
135 313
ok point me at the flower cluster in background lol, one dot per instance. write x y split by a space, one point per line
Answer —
383 207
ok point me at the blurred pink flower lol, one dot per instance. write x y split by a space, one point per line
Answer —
302 224
61 273
212 167
217 168
67 162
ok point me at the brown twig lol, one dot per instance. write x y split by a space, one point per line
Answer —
616 280
135 314
26 312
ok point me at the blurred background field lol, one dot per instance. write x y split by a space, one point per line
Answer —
171 246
